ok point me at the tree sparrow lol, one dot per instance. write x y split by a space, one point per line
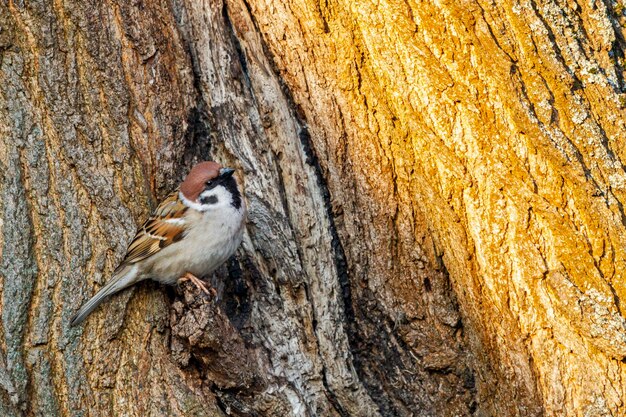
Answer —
189 235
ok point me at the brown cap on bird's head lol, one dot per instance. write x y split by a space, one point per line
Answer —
197 177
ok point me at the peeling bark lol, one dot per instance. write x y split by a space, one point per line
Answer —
435 192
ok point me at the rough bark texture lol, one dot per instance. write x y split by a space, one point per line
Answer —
435 190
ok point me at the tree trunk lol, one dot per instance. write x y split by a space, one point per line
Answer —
435 193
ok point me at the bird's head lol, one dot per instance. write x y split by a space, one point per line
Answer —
210 186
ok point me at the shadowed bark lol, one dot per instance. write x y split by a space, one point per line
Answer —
435 193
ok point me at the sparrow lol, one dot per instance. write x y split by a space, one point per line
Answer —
189 235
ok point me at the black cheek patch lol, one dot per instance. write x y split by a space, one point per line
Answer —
208 200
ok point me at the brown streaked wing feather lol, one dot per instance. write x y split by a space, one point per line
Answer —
156 234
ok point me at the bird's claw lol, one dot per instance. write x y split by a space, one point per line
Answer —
198 283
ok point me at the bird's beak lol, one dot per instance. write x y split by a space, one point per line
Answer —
226 172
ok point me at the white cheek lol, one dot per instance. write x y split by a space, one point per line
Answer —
191 204
208 193
221 195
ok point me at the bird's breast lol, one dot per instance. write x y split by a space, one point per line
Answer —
210 239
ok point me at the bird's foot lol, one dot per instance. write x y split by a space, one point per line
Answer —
198 283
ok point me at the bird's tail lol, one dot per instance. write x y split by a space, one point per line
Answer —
121 280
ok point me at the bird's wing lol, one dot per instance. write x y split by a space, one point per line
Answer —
164 227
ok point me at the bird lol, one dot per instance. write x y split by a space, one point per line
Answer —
189 235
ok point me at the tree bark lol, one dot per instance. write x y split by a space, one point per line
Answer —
435 193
